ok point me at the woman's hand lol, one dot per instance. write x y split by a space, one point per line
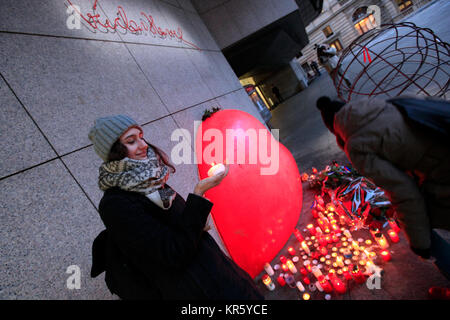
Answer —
210 182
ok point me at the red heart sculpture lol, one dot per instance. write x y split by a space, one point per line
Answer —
256 207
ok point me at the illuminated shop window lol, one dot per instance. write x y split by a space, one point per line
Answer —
363 21
337 45
403 4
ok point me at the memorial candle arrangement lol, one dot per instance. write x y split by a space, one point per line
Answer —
331 252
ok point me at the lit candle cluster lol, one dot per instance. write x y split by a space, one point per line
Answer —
329 256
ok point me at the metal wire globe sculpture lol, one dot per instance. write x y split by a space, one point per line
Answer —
392 60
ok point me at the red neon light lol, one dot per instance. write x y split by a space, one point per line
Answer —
122 21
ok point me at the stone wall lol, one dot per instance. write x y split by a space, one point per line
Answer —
55 79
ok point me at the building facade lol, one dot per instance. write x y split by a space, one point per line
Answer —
342 21
64 63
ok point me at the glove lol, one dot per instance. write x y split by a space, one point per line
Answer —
424 253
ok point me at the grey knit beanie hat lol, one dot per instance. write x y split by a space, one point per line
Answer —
107 130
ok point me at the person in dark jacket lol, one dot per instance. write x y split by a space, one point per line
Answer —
407 161
155 245
409 164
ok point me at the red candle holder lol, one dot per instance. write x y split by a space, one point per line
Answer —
385 255
393 225
291 251
393 235
283 259
298 235
311 229
325 284
337 283
357 274
346 274
281 281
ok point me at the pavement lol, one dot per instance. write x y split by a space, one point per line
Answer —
406 276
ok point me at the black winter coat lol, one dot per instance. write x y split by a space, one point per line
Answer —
151 253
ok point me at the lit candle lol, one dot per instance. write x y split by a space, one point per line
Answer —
330 207
306 296
284 267
291 266
283 259
305 247
394 226
318 197
298 235
316 272
307 265
291 251
368 242
340 261
216 169
385 255
268 269
303 271
281 280
318 231
268 282
347 234
334 226
306 280
357 274
355 245
367 254
311 229
322 241
323 251
347 253
381 240
326 286
300 286
393 235
314 213
318 286
346 273
338 285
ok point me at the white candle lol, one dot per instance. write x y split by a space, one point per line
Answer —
305 247
316 271
300 286
347 234
291 266
216 169
268 269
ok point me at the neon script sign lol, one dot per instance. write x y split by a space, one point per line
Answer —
147 23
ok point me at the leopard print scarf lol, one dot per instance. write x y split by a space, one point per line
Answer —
146 176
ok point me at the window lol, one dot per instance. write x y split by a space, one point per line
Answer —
306 67
363 21
327 31
403 4
365 24
337 45
359 14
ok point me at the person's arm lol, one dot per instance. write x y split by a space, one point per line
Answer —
146 241
403 193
